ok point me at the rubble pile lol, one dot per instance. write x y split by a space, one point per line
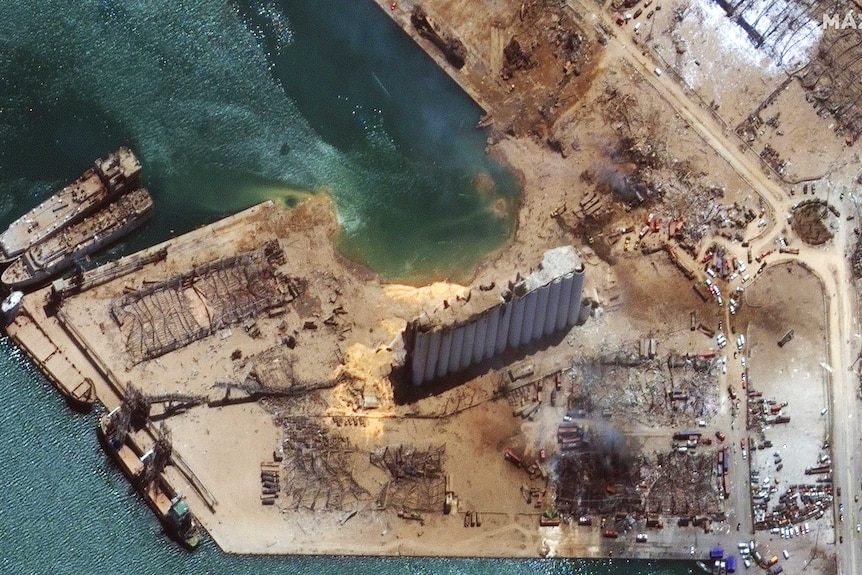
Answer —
417 479
831 77
856 258
681 484
317 468
812 221
595 481
654 391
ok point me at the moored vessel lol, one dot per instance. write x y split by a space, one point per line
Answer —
170 507
54 362
60 251
118 173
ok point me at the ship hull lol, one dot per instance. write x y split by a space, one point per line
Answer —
81 400
124 456
78 392
109 178
17 276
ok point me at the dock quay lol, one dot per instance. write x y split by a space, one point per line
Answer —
67 360
278 314
472 68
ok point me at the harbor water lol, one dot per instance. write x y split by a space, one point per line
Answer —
228 104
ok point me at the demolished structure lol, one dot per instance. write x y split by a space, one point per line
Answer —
546 301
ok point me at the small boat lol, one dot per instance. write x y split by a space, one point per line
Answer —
170 507
11 306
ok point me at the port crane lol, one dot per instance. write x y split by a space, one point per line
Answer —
134 412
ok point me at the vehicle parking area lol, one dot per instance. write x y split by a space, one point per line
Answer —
790 469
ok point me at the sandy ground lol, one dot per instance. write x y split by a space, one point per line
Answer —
793 374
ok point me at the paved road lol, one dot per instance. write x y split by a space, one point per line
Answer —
833 271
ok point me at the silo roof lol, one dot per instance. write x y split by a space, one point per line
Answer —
556 263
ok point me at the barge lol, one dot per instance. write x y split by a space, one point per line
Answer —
58 367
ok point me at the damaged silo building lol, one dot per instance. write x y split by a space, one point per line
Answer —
546 301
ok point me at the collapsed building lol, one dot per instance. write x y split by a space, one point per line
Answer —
546 301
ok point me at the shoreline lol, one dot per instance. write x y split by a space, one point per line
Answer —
109 389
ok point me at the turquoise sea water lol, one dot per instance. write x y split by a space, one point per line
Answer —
231 104
227 104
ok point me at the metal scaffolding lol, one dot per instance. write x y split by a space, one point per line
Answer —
159 318
418 482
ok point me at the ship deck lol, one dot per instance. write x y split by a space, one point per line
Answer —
129 461
54 213
55 363
103 222
85 237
